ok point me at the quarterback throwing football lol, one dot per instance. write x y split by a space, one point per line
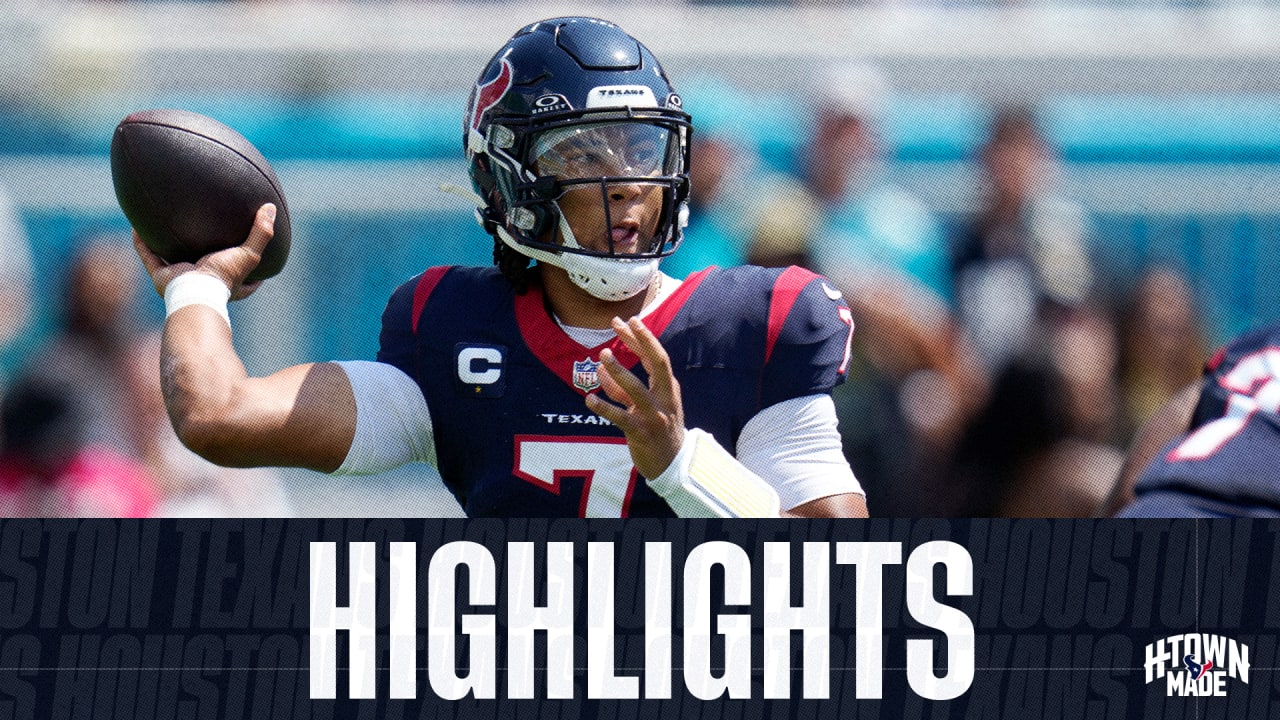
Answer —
588 384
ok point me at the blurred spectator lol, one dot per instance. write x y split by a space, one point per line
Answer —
909 388
1044 442
1023 256
47 469
711 237
871 225
90 352
1164 350
784 235
1072 474
884 248
731 193
1163 344
110 370
15 280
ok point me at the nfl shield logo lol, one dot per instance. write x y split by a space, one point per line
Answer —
584 375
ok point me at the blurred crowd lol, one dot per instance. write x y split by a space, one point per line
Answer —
83 427
997 370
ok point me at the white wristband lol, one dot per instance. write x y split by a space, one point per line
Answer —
705 481
197 288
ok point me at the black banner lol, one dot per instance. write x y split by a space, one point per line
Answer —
390 619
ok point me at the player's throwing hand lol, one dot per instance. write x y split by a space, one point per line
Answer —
651 417
230 265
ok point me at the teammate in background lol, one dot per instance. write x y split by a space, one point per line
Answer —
1215 454
578 151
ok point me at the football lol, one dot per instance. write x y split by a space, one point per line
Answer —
190 185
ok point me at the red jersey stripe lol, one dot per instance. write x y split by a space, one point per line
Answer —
426 284
786 289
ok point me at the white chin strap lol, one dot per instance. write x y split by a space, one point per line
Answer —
610 279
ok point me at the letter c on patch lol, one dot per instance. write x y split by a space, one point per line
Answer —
479 365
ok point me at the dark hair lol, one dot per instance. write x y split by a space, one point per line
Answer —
1012 123
40 421
513 265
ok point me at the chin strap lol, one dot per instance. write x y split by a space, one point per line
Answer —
465 193
484 217
609 279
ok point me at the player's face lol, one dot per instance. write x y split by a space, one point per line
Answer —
624 218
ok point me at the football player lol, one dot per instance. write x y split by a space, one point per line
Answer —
589 384
1214 453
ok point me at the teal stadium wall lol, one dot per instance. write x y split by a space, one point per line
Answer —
351 255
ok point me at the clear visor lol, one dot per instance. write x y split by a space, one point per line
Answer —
620 149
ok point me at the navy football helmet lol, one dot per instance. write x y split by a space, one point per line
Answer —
575 109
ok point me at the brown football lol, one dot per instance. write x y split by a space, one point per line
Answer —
190 186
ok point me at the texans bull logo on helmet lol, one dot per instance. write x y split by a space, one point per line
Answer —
490 93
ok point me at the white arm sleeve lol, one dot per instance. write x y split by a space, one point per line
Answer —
393 425
795 446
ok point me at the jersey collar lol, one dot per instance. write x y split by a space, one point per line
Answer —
558 352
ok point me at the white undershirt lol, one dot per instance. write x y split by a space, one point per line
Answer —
595 337
794 445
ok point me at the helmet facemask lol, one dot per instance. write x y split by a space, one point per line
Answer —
620 173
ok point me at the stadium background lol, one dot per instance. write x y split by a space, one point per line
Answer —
1166 117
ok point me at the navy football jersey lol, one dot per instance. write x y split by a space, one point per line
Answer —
1228 463
505 384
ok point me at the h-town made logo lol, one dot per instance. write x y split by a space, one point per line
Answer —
1197 664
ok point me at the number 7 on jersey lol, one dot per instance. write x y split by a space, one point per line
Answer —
609 478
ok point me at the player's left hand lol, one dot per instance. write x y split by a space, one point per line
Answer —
652 416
